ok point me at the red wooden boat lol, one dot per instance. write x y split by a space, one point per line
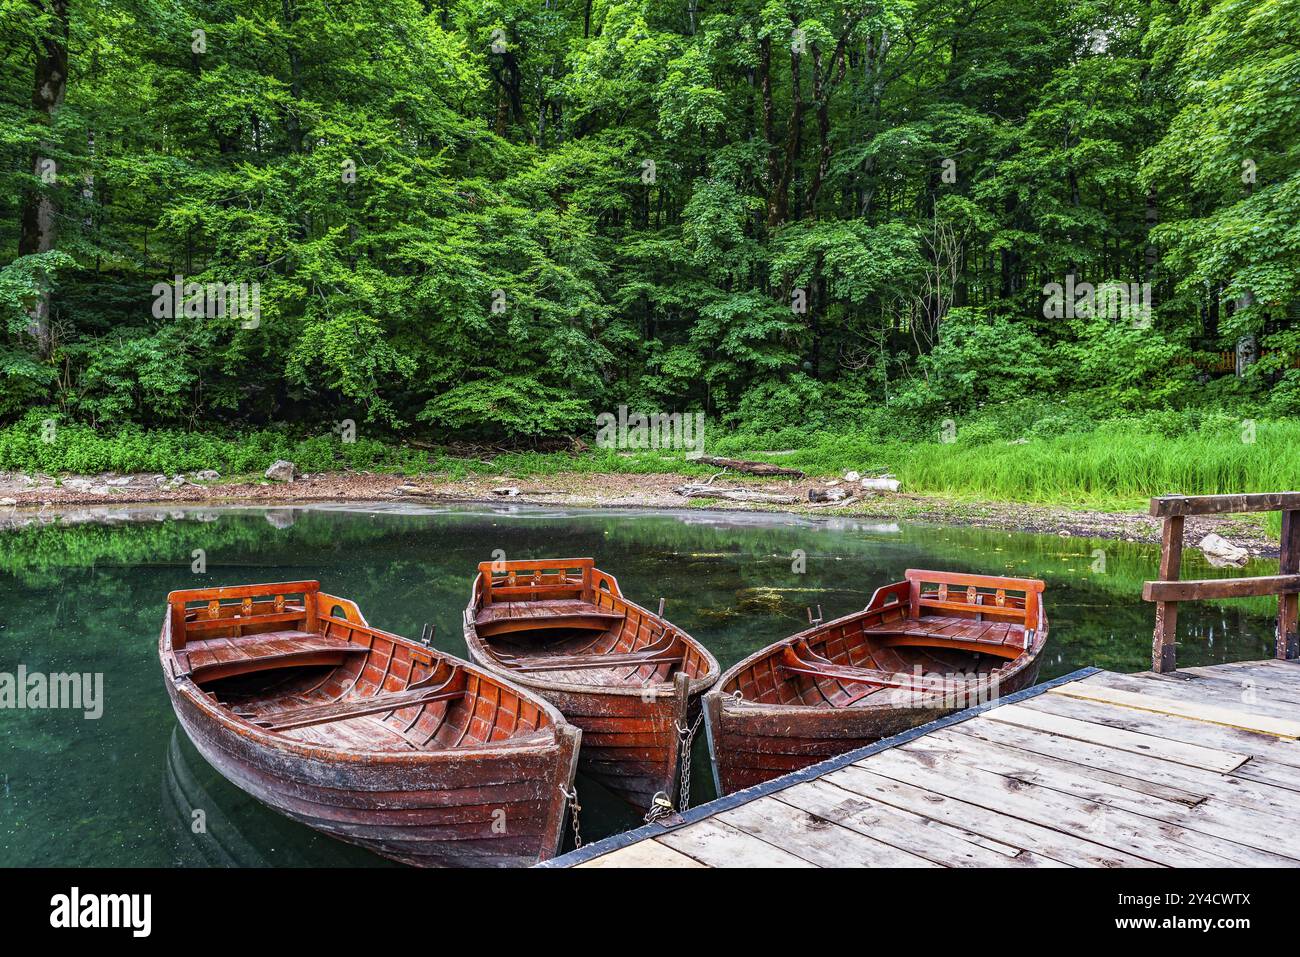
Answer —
934 643
627 677
362 734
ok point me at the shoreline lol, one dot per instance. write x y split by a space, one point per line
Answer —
24 496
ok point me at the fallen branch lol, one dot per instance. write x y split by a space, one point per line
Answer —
749 468
735 494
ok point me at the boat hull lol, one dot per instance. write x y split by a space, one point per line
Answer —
428 810
751 743
630 746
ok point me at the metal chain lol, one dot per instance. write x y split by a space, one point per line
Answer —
688 741
660 806
574 809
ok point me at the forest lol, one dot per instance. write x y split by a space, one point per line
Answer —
495 220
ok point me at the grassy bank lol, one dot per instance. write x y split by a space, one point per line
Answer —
1116 464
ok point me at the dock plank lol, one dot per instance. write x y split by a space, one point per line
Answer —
819 838
1176 781
1110 826
1243 835
1067 848
1229 694
717 844
1119 738
1184 731
1166 704
644 854
934 841
1199 768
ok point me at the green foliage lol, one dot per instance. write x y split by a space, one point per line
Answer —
491 219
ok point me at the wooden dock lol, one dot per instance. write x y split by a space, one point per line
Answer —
1200 767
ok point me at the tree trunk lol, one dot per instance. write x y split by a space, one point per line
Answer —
38 224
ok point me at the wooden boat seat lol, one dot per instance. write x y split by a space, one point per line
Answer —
657 652
356 708
1002 638
512 616
818 667
207 659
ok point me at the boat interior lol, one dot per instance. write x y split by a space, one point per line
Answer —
292 660
933 633
564 620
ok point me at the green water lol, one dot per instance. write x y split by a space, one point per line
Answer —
123 789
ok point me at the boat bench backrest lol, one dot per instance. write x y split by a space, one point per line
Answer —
208 612
1011 599
531 579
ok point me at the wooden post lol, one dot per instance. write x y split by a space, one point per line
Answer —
1288 642
1163 647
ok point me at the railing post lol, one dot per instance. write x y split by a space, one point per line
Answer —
1288 642
1163 647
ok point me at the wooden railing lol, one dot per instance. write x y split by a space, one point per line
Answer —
1169 590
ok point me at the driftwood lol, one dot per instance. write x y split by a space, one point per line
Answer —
827 495
749 468
735 494
840 502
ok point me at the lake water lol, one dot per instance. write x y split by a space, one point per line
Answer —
123 789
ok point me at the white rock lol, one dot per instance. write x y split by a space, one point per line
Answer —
207 475
120 480
852 476
1221 553
8 501
282 470
511 490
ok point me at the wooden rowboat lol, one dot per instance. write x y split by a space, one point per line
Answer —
934 643
627 677
362 734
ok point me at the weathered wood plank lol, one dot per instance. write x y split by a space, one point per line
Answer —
1112 736
1192 689
1111 826
1246 836
1288 608
819 839
1201 588
720 845
1270 772
644 854
931 840
1164 640
1067 848
1167 728
1164 778
1164 505
1210 714
1246 686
